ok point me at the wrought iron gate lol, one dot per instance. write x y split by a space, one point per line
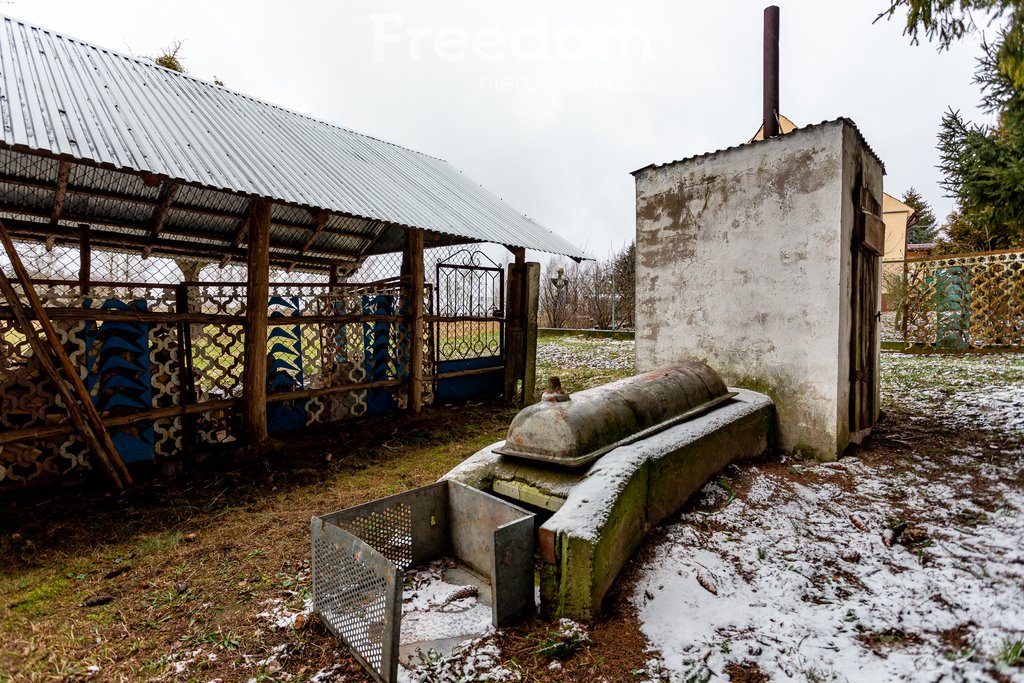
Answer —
469 333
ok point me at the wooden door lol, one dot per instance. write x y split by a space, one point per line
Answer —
867 249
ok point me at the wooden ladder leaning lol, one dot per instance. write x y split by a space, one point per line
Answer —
62 373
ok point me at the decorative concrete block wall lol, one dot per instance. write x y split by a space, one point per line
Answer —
744 262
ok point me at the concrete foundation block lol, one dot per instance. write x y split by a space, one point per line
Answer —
608 507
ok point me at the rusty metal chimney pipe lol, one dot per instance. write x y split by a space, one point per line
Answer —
771 72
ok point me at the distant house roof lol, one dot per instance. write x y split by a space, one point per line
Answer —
111 115
891 204
785 126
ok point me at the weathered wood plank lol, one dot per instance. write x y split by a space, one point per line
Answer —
167 194
60 192
413 260
84 257
70 386
531 294
254 374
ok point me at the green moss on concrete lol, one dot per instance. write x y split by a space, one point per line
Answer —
586 568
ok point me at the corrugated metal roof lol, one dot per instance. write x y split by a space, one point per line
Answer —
65 97
797 130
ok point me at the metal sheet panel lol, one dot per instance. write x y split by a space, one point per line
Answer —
358 594
64 97
473 516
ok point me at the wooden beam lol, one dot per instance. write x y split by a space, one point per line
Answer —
243 225
61 191
161 318
70 386
531 300
150 203
412 262
257 297
321 218
84 257
149 179
515 333
29 434
167 194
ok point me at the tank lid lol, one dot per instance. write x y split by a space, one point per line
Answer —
594 421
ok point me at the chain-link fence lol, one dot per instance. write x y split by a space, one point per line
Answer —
50 261
159 343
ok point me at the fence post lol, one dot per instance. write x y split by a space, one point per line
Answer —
84 258
531 285
257 310
515 332
412 263
187 379
906 297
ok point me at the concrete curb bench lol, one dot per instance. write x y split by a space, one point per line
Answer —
602 512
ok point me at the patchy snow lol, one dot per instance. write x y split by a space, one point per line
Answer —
902 570
476 660
281 616
332 674
964 391
434 609
580 351
437 612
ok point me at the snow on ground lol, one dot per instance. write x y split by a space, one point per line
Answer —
436 609
475 660
974 392
575 352
908 567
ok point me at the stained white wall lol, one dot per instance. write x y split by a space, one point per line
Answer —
743 262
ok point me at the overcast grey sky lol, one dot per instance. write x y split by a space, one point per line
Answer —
551 104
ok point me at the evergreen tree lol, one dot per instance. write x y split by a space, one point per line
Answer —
947 21
983 164
925 228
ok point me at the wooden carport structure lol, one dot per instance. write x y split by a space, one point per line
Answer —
100 150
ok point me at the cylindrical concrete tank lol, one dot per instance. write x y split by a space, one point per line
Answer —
594 421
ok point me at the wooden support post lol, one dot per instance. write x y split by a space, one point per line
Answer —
515 332
70 386
167 193
188 378
257 298
531 296
61 192
84 257
321 218
412 263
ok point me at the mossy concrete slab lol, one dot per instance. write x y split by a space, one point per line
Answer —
610 505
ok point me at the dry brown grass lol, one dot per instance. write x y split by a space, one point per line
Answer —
189 564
